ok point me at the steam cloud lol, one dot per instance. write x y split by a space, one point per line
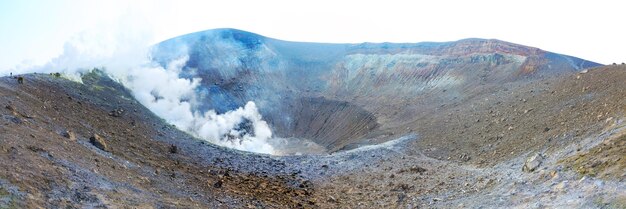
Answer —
166 94
125 58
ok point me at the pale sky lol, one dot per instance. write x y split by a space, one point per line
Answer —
34 31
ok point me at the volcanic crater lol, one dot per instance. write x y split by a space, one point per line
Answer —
474 123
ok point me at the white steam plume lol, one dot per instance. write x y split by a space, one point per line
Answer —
122 52
169 96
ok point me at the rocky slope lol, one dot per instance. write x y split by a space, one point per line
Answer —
503 136
50 161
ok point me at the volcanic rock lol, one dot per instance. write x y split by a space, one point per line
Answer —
98 142
532 163
69 135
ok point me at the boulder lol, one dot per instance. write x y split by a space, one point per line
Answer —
69 135
98 142
116 112
218 184
532 163
173 149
